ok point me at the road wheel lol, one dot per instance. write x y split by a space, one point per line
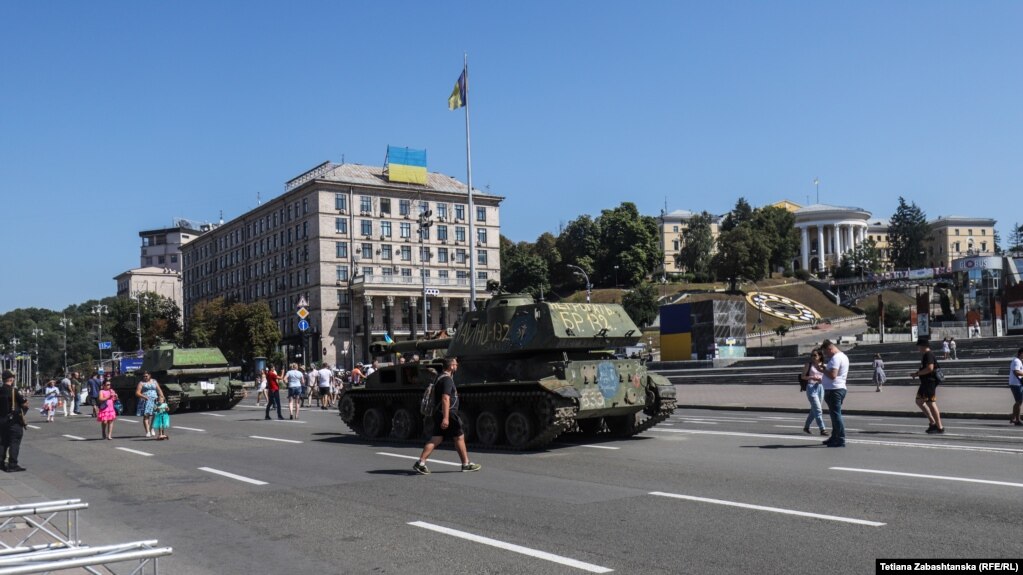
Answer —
404 424
621 425
590 427
347 409
519 429
375 422
488 428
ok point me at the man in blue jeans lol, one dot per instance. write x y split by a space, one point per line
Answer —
835 373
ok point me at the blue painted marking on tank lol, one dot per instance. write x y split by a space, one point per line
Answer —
607 379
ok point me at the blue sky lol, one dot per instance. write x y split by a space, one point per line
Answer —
120 116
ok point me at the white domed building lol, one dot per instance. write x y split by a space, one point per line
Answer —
826 232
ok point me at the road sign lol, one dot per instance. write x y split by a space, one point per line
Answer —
104 345
303 325
432 291
303 312
302 302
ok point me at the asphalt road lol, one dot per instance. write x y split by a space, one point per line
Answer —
710 492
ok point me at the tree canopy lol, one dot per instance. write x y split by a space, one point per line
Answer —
697 246
907 231
240 330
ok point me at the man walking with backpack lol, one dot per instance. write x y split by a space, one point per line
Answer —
446 423
927 393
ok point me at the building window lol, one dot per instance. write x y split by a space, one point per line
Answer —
442 211
386 272
342 250
983 232
459 234
675 245
406 253
367 271
459 256
481 275
342 273
442 274
481 236
385 252
174 259
424 232
459 212
404 207
367 251
385 229
481 214
406 230
365 204
366 227
957 231
343 321
424 207
461 275
385 206
983 246
341 226
442 233
149 260
161 259
481 257
969 232
442 255
406 272
424 254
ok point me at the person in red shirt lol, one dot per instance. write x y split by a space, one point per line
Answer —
273 388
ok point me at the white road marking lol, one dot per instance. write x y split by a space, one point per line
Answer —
125 419
771 509
714 418
922 476
187 428
213 414
135 451
856 441
233 476
414 458
598 446
514 548
801 427
75 437
34 427
274 439
781 418
698 421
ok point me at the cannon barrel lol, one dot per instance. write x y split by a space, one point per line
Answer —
381 347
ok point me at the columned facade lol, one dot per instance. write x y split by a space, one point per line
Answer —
827 233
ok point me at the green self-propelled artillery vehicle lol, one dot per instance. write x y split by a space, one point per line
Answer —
197 378
528 372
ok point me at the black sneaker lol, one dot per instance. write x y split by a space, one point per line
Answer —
932 428
14 468
806 430
824 432
471 467
939 430
420 468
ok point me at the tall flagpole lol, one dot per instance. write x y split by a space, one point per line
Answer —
472 209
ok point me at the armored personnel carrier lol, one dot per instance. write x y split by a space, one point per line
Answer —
528 372
198 378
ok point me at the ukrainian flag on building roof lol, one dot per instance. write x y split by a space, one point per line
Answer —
405 165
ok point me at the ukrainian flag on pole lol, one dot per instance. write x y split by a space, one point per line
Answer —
457 98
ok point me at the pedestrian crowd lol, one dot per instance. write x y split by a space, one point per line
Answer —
823 379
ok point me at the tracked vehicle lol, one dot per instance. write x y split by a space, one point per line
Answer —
197 378
528 372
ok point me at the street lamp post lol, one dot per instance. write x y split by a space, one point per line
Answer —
137 296
589 286
65 323
424 256
351 318
36 332
14 353
616 276
99 310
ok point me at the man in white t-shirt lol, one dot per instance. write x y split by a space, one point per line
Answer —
1016 385
324 378
835 373
294 378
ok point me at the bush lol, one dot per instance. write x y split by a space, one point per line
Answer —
802 275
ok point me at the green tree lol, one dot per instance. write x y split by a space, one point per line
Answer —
240 330
641 304
777 228
1016 239
907 231
896 318
522 269
578 244
740 214
627 240
781 331
741 254
865 258
697 246
160 321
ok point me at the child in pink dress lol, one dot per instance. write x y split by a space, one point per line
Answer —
107 413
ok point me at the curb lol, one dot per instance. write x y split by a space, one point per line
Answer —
873 412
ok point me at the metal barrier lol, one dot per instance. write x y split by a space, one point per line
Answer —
66 550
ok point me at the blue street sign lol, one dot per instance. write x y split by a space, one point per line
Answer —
303 325
104 345
130 364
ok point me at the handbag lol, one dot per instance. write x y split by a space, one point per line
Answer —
118 406
939 375
802 381
16 413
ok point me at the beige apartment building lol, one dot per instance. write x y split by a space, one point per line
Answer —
672 226
346 239
954 237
